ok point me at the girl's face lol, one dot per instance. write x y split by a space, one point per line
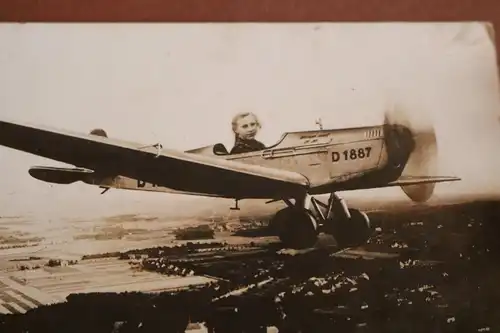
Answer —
247 127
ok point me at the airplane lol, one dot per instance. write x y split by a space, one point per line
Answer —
298 167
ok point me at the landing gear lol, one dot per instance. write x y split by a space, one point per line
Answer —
299 224
351 231
296 227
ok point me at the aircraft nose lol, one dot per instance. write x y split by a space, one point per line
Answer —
405 138
400 143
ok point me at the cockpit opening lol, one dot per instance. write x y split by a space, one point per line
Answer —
220 149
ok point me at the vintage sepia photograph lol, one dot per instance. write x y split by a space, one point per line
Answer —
249 177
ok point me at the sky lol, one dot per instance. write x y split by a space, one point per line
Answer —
180 84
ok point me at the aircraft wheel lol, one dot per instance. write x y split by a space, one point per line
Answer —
295 227
350 232
278 222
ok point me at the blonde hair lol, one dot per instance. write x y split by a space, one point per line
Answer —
234 122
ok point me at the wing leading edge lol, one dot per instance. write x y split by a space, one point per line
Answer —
169 168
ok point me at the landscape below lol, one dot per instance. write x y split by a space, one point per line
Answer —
434 271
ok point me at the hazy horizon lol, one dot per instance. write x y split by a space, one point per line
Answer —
180 84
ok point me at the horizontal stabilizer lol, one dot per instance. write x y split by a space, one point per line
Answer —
59 175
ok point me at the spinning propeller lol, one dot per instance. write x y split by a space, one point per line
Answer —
422 142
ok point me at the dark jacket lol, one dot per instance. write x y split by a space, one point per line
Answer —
245 146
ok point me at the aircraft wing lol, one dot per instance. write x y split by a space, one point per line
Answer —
416 180
369 180
177 170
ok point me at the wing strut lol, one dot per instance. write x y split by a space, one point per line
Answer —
106 189
158 147
235 205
